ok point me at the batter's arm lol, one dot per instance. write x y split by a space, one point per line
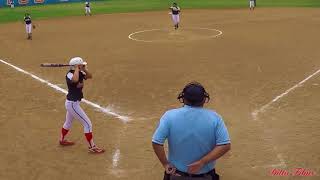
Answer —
88 74
75 77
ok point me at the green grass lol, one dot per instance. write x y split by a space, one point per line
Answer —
117 6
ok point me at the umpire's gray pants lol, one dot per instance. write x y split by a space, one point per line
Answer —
206 177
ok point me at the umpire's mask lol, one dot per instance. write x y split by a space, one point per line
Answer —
194 94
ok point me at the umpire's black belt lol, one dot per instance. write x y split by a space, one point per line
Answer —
213 171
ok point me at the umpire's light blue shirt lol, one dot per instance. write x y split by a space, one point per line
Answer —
192 132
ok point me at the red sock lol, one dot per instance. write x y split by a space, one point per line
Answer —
89 139
64 132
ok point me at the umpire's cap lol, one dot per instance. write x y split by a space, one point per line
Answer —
194 94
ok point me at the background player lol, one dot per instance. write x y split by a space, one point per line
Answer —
87 8
75 82
28 22
11 3
252 4
175 10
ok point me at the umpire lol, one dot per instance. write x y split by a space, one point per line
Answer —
197 137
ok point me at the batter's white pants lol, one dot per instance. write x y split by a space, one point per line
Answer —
28 28
175 18
88 11
251 4
74 111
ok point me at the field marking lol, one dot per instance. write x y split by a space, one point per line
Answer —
255 113
148 30
137 32
281 164
116 158
107 111
116 155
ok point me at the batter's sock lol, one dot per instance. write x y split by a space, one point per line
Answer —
89 139
64 132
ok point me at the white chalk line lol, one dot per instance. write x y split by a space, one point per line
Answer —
281 164
137 32
116 154
255 113
107 111
116 158
115 170
130 36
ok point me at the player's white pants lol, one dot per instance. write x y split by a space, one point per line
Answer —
175 18
88 10
74 111
28 28
251 4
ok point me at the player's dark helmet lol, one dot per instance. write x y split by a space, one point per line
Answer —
194 94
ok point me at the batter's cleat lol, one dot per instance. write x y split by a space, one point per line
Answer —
96 150
66 143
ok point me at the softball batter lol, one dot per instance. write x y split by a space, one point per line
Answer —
28 22
75 82
175 11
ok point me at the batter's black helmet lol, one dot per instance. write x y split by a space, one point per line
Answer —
194 94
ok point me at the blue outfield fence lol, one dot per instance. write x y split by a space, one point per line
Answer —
6 3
